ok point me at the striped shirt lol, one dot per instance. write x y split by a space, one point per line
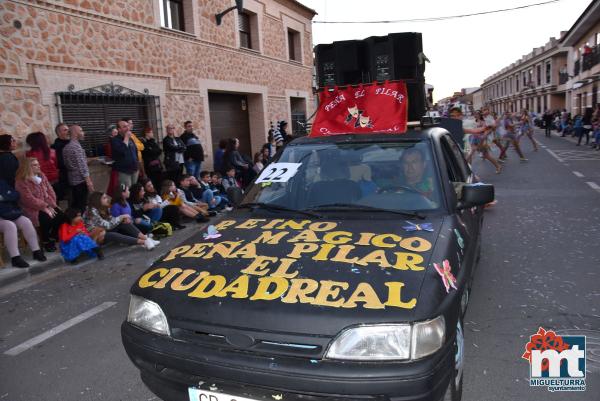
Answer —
75 162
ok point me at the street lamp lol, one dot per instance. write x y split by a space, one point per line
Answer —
239 4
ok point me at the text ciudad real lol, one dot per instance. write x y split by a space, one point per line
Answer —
277 278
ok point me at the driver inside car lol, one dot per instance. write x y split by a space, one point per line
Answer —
413 166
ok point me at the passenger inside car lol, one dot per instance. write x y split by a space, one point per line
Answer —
334 185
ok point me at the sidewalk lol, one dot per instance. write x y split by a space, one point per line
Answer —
568 138
10 275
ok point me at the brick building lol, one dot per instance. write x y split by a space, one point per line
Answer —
583 40
536 82
157 61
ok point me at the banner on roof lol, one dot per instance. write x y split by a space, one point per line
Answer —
364 109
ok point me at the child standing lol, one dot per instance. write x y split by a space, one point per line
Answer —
75 239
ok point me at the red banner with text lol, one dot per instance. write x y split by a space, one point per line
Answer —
376 108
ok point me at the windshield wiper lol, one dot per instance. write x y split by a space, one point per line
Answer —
271 206
354 206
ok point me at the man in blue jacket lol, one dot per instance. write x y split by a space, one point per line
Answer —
124 153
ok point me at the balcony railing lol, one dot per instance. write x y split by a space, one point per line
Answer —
590 59
563 77
576 68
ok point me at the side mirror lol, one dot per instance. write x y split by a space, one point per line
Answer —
476 195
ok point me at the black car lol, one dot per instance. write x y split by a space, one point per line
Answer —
343 275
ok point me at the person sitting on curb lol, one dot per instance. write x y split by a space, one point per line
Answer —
12 219
122 207
118 229
176 197
214 201
150 199
75 239
38 201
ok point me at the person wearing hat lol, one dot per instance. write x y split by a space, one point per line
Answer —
282 130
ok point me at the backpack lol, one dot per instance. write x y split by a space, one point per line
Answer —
161 230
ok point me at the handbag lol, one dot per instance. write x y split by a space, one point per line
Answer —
9 209
162 229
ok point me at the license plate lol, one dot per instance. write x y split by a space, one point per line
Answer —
205 395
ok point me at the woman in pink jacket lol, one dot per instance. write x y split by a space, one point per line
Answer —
38 201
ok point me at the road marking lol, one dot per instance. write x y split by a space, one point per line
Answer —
58 329
554 155
593 185
578 174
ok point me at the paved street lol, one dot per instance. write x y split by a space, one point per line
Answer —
539 268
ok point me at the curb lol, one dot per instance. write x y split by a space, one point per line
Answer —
10 275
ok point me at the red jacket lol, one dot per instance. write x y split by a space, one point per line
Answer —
34 197
49 167
66 232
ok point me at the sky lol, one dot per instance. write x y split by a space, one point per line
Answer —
463 51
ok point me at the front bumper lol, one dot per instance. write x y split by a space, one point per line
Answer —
169 367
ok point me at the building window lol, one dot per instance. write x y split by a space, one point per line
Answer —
517 83
524 74
95 109
171 14
245 30
548 72
293 38
298 109
538 72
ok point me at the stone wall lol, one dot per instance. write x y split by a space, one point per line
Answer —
184 107
121 41
21 111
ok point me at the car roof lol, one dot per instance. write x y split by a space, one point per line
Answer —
411 135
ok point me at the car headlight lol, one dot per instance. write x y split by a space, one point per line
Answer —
147 315
427 337
388 342
372 343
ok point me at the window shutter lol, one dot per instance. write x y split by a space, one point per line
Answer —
244 22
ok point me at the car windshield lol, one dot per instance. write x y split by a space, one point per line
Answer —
396 176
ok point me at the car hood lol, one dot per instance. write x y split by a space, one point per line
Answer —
303 276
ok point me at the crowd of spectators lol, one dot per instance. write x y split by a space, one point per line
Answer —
151 189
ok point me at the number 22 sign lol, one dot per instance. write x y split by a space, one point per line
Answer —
278 172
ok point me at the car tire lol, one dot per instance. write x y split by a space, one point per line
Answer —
455 387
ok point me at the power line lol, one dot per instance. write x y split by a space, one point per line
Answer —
442 18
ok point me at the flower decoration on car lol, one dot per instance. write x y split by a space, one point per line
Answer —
418 227
445 271
211 233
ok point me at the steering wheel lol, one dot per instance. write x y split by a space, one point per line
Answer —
396 187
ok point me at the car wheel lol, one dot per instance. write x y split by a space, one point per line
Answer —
454 390
464 300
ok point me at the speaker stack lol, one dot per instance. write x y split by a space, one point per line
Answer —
377 58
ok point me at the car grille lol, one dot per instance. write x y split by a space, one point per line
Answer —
263 343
